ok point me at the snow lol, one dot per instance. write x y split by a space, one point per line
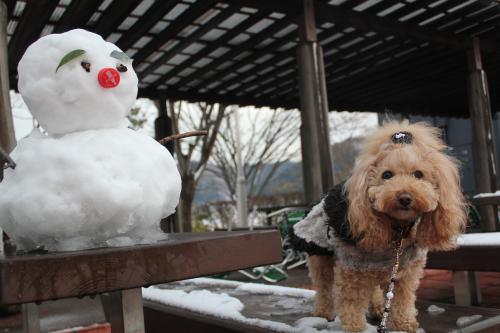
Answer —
481 239
224 306
435 310
108 187
467 320
70 98
485 195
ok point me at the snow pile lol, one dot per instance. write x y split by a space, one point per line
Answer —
90 182
479 239
435 310
70 99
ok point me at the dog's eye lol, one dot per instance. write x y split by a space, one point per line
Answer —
387 175
121 68
418 174
86 66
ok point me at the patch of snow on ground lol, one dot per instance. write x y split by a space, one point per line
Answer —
467 320
435 310
482 239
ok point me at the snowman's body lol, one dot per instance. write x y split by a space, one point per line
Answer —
91 181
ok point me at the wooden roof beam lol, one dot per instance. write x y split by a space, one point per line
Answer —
369 22
181 22
113 16
212 98
35 16
141 27
195 36
76 15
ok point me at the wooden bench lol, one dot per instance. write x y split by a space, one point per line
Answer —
466 262
119 273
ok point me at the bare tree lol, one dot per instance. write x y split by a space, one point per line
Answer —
193 153
269 139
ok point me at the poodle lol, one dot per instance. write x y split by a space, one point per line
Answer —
404 190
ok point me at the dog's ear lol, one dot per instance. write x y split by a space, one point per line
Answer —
439 229
371 232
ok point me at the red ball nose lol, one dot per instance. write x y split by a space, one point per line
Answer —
108 77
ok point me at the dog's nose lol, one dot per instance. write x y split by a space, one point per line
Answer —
405 199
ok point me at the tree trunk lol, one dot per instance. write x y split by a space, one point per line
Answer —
186 203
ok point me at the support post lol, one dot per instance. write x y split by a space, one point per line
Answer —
466 288
163 128
31 318
485 161
240 182
7 137
316 159
124 311
163 124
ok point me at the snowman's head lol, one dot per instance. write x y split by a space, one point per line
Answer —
77 81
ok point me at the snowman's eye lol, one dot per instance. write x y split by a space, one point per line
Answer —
121 68
86 66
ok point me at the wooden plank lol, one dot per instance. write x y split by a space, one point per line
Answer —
466 258
7 137
29 278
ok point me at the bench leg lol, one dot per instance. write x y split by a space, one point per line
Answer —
123 310
31 319
466 288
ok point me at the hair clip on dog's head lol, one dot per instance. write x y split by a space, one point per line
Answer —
402 137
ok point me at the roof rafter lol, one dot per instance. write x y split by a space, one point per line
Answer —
367 22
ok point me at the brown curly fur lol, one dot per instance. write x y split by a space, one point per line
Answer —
437 198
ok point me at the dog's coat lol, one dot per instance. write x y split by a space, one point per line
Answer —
325 231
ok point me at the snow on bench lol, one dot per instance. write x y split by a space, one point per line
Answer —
230 306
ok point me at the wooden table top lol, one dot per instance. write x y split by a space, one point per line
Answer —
39 277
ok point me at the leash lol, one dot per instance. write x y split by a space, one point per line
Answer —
389 295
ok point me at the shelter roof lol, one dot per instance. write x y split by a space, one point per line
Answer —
402 55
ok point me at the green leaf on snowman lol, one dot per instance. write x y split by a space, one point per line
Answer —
120 55
70 56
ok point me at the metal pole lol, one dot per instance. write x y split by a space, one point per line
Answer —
316 159
241 182
7 137
484 151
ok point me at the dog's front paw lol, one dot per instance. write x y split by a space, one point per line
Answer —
324 313
353 326
376 311
409 326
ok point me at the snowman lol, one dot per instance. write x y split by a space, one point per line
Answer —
88 181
